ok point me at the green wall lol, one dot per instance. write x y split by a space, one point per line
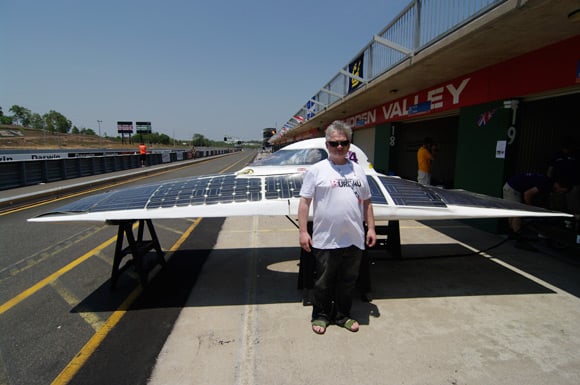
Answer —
382 148
477 169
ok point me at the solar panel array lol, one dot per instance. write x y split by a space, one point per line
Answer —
231 188
127 199
283 186
377 196
467 198
207 191
408 193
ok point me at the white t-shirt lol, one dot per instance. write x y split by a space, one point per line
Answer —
337 193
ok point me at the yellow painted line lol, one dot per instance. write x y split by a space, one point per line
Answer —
33 289
185 235
79 360
169 229
105 258
90 318
233 164
27 293
85 353
22 265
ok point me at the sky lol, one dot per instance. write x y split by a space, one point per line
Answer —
216 68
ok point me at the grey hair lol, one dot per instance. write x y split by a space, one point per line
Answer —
338 126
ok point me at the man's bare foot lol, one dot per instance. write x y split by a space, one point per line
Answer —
319 326
350 324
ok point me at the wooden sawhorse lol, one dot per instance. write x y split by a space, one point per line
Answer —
138 248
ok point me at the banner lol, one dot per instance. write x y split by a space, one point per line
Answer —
355 68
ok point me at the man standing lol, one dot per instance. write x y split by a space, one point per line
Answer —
341 195
143 154
424 159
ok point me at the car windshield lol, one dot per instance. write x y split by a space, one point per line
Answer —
304 156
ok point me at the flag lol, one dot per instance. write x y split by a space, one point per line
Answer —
310 108
298 118
355 68
485 118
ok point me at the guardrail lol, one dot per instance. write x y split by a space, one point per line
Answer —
419 25
31 172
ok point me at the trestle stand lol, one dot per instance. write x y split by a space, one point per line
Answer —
138 248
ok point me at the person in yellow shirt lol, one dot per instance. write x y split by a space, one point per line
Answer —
424 159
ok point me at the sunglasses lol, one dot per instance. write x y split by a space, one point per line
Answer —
343 143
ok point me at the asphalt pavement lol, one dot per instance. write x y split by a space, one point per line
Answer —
442 313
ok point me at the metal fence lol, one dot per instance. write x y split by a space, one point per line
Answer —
419 25
31 172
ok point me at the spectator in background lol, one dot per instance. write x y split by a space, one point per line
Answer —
424 159
565 164
528 188
143 154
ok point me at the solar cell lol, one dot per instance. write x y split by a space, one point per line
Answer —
408 193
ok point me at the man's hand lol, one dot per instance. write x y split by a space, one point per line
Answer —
305 241
371 237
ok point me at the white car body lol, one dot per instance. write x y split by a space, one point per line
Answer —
298 156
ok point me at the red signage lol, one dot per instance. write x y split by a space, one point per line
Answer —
550 68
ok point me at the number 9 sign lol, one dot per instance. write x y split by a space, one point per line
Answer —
511 134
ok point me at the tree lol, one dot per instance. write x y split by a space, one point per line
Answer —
199 140
57 122
164 139
21 114
36 121
6 119
156 137
86 131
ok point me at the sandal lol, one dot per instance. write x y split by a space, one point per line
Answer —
319 323
349 324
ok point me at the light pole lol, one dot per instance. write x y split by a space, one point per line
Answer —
99 123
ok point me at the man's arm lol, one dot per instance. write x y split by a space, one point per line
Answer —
303 210
529 195
371 236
